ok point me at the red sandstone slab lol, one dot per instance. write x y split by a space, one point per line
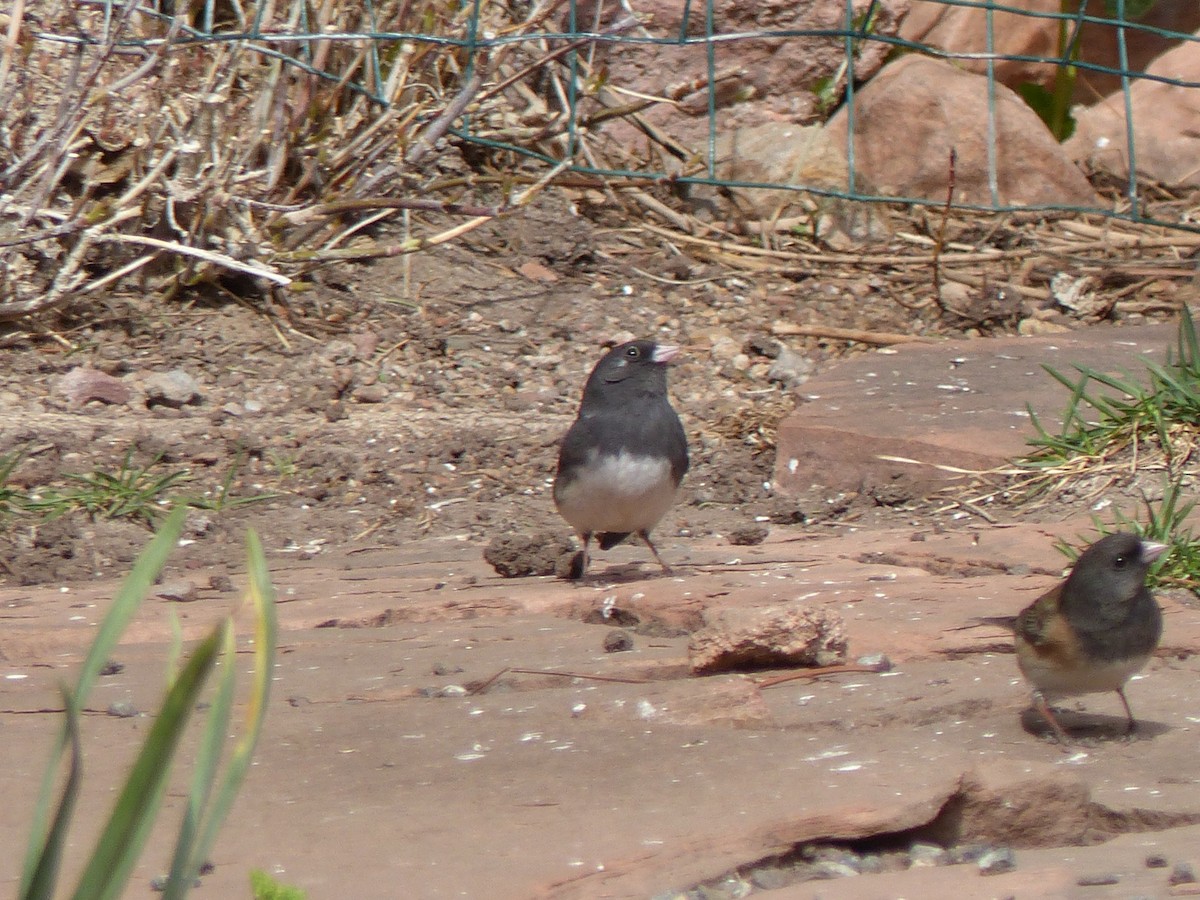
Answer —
376 775
960 404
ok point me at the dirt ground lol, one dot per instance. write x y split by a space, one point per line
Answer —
424 396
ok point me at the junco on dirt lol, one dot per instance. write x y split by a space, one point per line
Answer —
620 464
1092 632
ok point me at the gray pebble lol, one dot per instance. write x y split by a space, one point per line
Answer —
774 878
1156 861
790 368
967 853
122 709
181 590
1182 873
997 861
617 641
927 855
877 661
827 868
175 388
1097 880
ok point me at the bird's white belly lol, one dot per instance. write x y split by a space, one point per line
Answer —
1069 682
618 493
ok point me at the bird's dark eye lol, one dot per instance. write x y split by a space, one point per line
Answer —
633 352
1120 562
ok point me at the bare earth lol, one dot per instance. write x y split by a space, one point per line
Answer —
381 437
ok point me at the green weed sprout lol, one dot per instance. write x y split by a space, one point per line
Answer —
212 789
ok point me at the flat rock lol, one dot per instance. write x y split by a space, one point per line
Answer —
444 707
940 409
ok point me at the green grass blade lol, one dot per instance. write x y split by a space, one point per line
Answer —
185 866
145 570
262 598
41 868
133 816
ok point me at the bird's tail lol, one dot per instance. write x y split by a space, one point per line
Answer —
610 539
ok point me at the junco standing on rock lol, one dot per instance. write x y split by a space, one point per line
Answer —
1092 632
620 464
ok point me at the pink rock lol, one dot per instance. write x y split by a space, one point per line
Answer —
910 116
739 637
963 29
83 384
1166 125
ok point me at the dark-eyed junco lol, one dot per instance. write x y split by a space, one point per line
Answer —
620 464
1092 632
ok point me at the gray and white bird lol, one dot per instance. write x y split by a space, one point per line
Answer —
621 462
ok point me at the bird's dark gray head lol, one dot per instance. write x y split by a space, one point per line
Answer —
636 367
1112 571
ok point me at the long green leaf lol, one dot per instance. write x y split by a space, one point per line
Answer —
133 816
185 867
145 570
44 876
262 598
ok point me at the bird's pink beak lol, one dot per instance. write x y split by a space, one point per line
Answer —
1152 551
664 353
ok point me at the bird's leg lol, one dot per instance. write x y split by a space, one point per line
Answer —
645 536
581 560
1132 726
1040 704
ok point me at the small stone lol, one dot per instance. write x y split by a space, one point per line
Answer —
83 384
927 855
997 861
828 868
180 590
872 864
877 661
617 641
1182 873
222 584
174 389
518 555
370 393
1098 880
773 878
122 709
967 853
790 369
253 406
112 667
748 535
767 637
1156 861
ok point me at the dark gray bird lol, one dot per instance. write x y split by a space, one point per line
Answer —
620 464
1094 631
